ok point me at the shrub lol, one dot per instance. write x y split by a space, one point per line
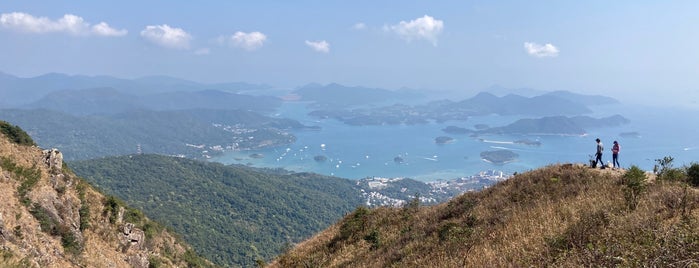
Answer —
693 174
453 232
374 239
666 172
634 181
355 224
111 208
84 213
134 216
47 224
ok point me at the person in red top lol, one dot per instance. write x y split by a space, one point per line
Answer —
615 155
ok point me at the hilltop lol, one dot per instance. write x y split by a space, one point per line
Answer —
49 217
561 216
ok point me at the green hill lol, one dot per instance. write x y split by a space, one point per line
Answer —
556 216
162 132
234 216
49 217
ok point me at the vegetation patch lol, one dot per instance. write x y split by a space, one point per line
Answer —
634 181
693 174
15 134
27 176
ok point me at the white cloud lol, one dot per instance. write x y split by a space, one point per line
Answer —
359 26
320 46
426 28
103 29
248 41
69 23
166 36
202 51
539 51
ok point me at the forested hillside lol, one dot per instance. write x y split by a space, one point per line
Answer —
234 216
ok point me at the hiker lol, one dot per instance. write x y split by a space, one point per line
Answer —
598 155
615 155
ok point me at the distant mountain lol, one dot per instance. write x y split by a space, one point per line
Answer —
106 101
163 132
571 96
487 103
93 101
562 215
209 99
557 125
49 217
336 95
15 91
589 100
482 104
503 91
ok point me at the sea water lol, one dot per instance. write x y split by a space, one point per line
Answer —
357 152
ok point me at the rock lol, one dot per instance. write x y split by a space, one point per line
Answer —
53 159
138 261
133 236
2 229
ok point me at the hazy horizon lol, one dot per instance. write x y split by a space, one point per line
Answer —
630 50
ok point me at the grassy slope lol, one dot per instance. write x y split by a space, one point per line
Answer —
561 216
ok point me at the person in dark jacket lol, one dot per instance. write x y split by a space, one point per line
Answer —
615 155
598 155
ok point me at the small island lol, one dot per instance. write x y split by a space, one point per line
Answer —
632 134
499 157
443 140
320 158
398 160
481 126
528 142
457 130
257 156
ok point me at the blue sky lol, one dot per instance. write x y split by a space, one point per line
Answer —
640 50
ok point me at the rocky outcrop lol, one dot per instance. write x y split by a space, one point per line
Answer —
53 159
133 236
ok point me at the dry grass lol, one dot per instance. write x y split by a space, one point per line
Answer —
562 215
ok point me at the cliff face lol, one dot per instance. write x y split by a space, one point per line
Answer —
559 216
51 218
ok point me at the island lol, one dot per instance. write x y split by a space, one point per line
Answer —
257 156
528 142
443 140
320 158
557 125
398 159
632 134
499 157
457 130
445 110
481 126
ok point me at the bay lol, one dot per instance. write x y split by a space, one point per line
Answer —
357 152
